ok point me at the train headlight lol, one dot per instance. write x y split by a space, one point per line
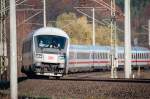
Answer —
38 64
38 55
61 58
61 65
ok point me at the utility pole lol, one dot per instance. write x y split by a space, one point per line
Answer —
13 51
93 40
44 13
149 31
3 43
114 55
127 40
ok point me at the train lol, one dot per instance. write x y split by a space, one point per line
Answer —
47 51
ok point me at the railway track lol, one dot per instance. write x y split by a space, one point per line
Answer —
94 76
118 80
76 86
122 80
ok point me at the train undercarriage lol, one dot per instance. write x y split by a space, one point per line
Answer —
45 69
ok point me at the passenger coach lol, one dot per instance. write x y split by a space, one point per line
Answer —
89 58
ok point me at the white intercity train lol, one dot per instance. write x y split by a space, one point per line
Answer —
47 51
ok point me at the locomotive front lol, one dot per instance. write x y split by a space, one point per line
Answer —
50 52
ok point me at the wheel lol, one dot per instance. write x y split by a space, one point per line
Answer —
57 77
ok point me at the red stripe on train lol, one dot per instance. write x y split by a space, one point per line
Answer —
106 62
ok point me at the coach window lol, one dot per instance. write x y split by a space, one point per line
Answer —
132 56
123 56
137 56
96 56
106 55
119 55
102 55
145 55
148 55
99 55
71 55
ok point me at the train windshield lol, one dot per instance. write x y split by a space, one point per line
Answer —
49 43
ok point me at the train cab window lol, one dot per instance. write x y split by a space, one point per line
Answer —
50 41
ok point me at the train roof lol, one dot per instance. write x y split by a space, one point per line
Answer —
106 48
89 48
48 31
